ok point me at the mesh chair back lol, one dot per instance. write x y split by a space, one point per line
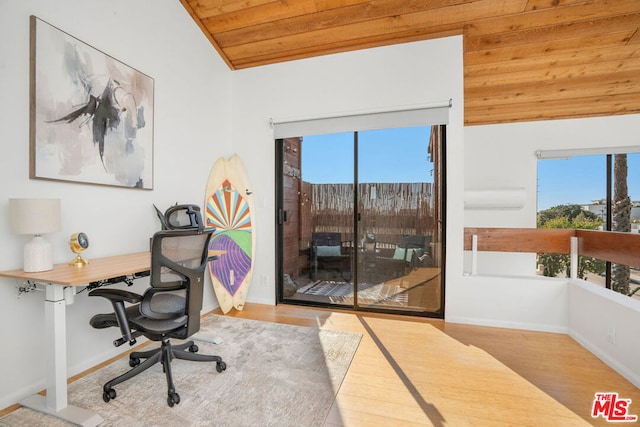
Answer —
178 261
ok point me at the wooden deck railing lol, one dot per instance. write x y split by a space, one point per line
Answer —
616 247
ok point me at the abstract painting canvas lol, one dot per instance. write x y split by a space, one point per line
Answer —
91 115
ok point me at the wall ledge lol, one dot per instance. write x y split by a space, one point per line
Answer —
623 300
518 277
536 327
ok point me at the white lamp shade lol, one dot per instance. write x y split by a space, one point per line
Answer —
34 216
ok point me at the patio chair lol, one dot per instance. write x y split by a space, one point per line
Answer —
329 255
411 252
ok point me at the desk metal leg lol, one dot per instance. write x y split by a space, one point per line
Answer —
55 403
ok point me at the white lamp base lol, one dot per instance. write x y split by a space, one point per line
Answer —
37 255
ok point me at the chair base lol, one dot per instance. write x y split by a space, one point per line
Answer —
163 354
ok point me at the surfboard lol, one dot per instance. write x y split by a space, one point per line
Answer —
228 208
240 297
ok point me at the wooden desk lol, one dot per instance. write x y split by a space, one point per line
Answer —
97 269
55 281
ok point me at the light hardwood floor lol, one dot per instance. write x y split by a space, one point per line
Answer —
411 371
423 372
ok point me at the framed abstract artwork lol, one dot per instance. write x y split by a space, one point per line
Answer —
91 116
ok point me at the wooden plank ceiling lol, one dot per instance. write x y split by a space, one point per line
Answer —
524 60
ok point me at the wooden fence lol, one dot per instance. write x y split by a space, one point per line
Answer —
388 210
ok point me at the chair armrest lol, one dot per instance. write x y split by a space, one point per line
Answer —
116 295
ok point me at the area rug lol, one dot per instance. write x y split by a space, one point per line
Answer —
277 375
368 293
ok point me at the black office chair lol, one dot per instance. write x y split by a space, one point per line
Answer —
170 308
327 253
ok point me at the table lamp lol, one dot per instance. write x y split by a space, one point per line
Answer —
35 217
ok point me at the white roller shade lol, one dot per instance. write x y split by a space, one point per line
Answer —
571 152
435 114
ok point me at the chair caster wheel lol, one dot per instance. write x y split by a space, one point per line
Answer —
221 366
134 361
173 399
193 348
108 395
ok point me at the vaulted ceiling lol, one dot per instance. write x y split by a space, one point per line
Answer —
524 60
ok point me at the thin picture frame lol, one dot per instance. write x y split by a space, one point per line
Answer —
91 116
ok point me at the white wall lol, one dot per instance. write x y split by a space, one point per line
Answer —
532 303
192 128
503 156
374 79
499 154
608 324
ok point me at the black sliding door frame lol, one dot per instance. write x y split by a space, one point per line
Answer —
281 218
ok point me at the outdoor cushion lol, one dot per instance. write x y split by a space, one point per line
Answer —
400 253
328 251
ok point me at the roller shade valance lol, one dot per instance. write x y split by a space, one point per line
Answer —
572 152
435 114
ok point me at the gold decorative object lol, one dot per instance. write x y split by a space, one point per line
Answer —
78 242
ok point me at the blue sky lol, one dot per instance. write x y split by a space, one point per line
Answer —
400 155
389 155
580 180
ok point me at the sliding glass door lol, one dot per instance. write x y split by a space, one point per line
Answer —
397 221
316 218
360 219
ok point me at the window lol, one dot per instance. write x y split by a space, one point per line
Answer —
593 191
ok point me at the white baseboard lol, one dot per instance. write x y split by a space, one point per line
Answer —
607 359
